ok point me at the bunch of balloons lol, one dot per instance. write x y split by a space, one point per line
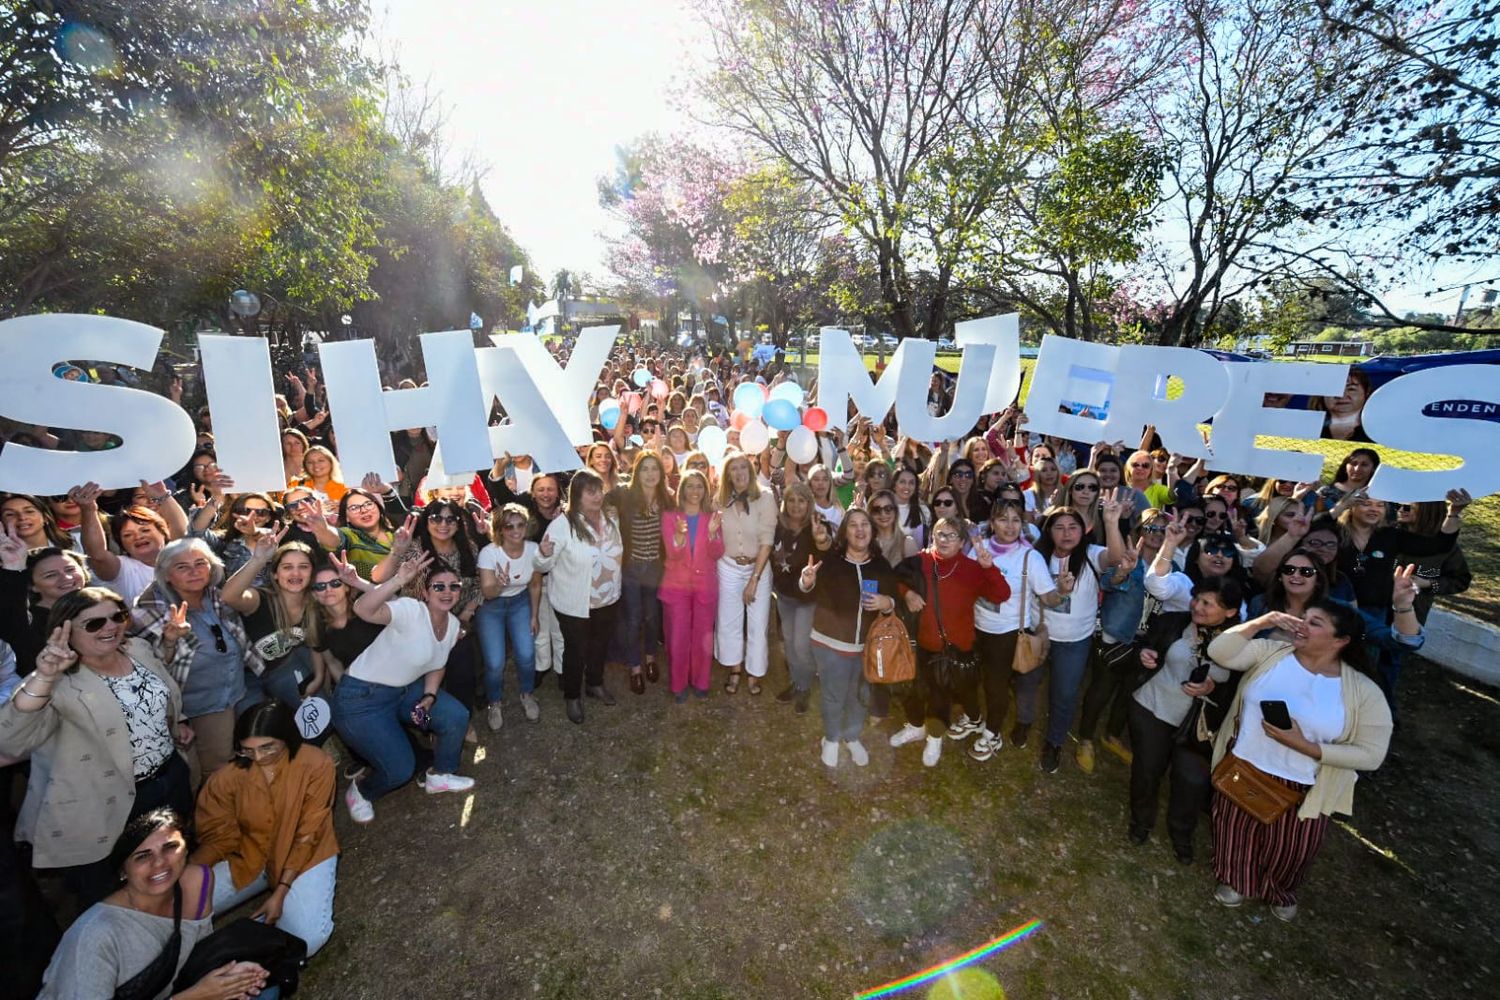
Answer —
758 411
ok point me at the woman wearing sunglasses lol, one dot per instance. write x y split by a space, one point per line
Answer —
1301 580
201 640
342 634
30 583
266 825
1437 575
1084 492
398 681
509 615
1213 554
230 524
947 503
101 719
281 622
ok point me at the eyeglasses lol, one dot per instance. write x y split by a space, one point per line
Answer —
328 585
1215 515
1326 543
1194 522
257 753
1218 550
443 518
1302 571
92 625
1154 529
443 588
1404 507
946 536
300 501
945 503
882 508
218 633
961 474
514 525
360 508
252 511
1081 487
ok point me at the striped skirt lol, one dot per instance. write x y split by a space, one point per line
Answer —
1264 860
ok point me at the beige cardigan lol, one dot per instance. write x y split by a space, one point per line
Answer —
1360 747
82 775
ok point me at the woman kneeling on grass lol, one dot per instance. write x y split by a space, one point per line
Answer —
398 679
1340 725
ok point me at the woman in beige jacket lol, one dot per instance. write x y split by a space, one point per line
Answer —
101 720
1340 725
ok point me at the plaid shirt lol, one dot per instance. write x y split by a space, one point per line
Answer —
151 612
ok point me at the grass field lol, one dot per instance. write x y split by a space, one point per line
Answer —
1481 534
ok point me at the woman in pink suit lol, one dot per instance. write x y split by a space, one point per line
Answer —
689 588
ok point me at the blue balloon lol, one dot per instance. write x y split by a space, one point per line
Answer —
749 399
609 414
789 391
781 415
642 378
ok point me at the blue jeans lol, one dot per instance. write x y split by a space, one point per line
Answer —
796 639
283 682
498 620
307 910
1068 663
371 719
841 693
639 623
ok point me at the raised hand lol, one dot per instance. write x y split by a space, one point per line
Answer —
1128 561
372 483
1290 624
546 546
175 626
412 569
404 533
1110 504
983 555
1176 534
199 495
1066 581
155 491
1406 586
266 542
345 569
86 496
810 572
1457 501
12 549
57 655
1299 526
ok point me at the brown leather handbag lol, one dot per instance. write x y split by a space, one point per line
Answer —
1253 790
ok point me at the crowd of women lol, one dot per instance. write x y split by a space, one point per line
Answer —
173 654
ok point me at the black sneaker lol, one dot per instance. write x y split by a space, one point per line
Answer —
787 694
1139 836
1018 734
801 703
1051 758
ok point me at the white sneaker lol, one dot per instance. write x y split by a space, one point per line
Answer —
830 753
530 707
984 748
964 728
858 753
932 751
907 734
433 783
493 717
360 809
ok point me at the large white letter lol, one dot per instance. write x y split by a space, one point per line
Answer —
1446 410
566 390
247 437
1134 404
535 427
1003 333
968 396
1068 372
158 435
842 376
1245 415
451 400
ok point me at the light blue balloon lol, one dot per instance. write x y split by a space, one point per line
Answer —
749 399
781 415
642 378
609 414
789 391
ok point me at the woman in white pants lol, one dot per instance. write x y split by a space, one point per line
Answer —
749 525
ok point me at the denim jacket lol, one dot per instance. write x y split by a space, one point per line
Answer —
1123 604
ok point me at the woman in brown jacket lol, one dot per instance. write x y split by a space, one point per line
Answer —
267 823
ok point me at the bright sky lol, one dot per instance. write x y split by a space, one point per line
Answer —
543 91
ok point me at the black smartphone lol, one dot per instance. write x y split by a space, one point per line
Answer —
1276 714
1200 673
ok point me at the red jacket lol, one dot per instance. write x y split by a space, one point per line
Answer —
689 572
961 581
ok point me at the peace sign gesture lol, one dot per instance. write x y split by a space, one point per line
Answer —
266 542
983 555
346 571
403 534
1066 581
1110 503
412 569
1176 534
1405 589
57 655
12 549
809 576
175 626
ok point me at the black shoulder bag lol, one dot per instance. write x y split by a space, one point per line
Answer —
157 976
953 668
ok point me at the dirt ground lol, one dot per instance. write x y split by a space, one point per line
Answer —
703 851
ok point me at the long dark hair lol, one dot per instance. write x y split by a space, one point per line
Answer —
1079 557
583 480
269 718
1349 624
54 532
637 493
1322 581
359 491
468 544
1236 568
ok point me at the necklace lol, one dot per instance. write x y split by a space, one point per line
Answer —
951 570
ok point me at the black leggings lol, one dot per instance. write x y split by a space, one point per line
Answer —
928 703
585 646
1156 752
996 653
1114 665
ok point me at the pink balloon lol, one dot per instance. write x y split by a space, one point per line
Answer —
659 389
815 419
633 402
739 419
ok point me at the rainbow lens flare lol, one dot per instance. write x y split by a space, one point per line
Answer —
927 975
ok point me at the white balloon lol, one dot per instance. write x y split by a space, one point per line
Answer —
754 437
801 445
712 441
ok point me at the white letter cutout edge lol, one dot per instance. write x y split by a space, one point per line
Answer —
158 434
452 401
1245 415
915 374
237 378
536 426
1133 404
1393 417
1003 333
1053 383
566 390
842 377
